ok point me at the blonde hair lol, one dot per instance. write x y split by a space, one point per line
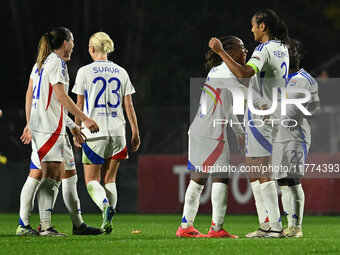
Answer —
51 41
102 42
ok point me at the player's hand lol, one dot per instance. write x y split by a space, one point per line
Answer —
0 113
264 117
241 142
91 125
78 136
135 142
215 45
26 136
293 125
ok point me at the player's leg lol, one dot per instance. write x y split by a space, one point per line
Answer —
191 204
286 203
219 197
258 157
110 169
200 149
258 152
27 197
115 152
297 205
93 160
51 160
70 194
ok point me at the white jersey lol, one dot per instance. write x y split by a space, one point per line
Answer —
104 85
303 80
271 61
220 108
47 114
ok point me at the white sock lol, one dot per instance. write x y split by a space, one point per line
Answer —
56 192
270 199
298 203
191 203
111 193
71 200
286 204
260 207
219 196
97 193
27 200
45 201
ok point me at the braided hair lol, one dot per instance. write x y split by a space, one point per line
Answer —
212 59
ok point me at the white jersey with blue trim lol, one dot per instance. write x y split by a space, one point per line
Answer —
271 60
104 85
218 106
303 80
47 114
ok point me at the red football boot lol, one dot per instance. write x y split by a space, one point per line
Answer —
220 233
188 232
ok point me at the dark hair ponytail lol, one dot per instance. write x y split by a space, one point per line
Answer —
212 59
51 41
276 26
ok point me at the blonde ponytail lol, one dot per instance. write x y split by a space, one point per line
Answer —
102 42
44 49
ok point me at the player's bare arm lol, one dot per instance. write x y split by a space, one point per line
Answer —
66 101
240 71
80 105
130 112
314 108
26 136
241 142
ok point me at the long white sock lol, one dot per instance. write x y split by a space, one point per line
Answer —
27 196
298 203
260 207
270 199
45 201
191 203
286 204
71 199
111 193
97 193
219 197
56 192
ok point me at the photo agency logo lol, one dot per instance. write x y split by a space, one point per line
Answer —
288 99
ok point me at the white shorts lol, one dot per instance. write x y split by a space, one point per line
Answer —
68 157
49 147
259 138
97 150
208 155
289 158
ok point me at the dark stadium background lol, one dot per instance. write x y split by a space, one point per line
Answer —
161 44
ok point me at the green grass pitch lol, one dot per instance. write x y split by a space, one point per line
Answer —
321 236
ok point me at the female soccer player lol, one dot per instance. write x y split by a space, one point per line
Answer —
102 87
270 63
69 181
291 145
208 145
50 81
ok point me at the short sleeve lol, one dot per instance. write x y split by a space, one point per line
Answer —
314 93
259 57
129 89
58 72
34 71
79 86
